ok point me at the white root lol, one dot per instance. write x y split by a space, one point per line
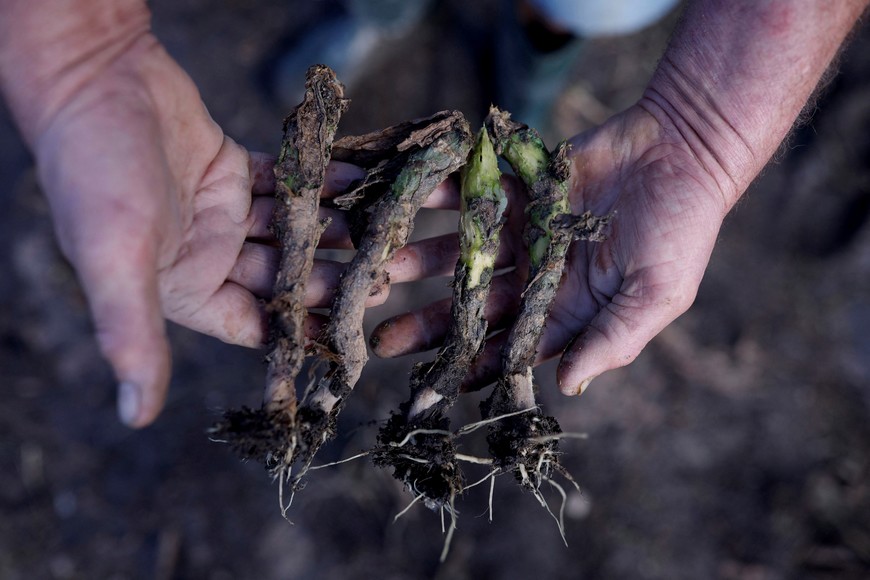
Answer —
491 492
557 436
479 481
564 495
475 426
284 479
408 507
416 432
473 459
340 461
450 530
540 497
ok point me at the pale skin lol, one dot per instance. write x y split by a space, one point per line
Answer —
164 217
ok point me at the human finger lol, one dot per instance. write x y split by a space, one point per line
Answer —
335 236
338 176
618 333
235 316
445 196
437 256
257 266
124 301
424 259
425 328
262 176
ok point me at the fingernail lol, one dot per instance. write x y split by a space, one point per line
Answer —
128 403
584 385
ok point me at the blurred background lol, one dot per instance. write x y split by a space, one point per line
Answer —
737 446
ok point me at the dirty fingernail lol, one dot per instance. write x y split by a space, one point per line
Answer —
129 401
584 385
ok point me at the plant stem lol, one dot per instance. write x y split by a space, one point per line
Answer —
299 172
551 229
435 386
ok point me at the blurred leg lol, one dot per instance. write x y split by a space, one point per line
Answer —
592 18
540 40
345 42
391 17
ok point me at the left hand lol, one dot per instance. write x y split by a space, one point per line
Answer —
162 215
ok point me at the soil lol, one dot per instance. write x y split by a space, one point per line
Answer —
438 480
736 446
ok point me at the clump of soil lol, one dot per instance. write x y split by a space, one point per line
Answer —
526 445
423 456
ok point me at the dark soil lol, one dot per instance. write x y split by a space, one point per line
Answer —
527 440
438 480
255 434
736 446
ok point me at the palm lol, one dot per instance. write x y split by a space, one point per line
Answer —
206 279
153 205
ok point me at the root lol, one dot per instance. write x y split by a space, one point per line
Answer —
472 459
409 506
489 475
403 165
340 461
415 432
491 492
299 173
483 423
427 455
284 478
454 516
269 434
558 436
423 458
258 434
560 521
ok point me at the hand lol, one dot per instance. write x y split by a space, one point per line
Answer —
153 206
615 295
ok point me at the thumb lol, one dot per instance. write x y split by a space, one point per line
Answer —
119 277
614 338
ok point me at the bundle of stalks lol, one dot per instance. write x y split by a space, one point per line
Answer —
403 165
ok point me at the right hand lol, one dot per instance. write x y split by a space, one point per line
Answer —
615 295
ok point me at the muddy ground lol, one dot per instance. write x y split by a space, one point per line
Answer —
736 447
